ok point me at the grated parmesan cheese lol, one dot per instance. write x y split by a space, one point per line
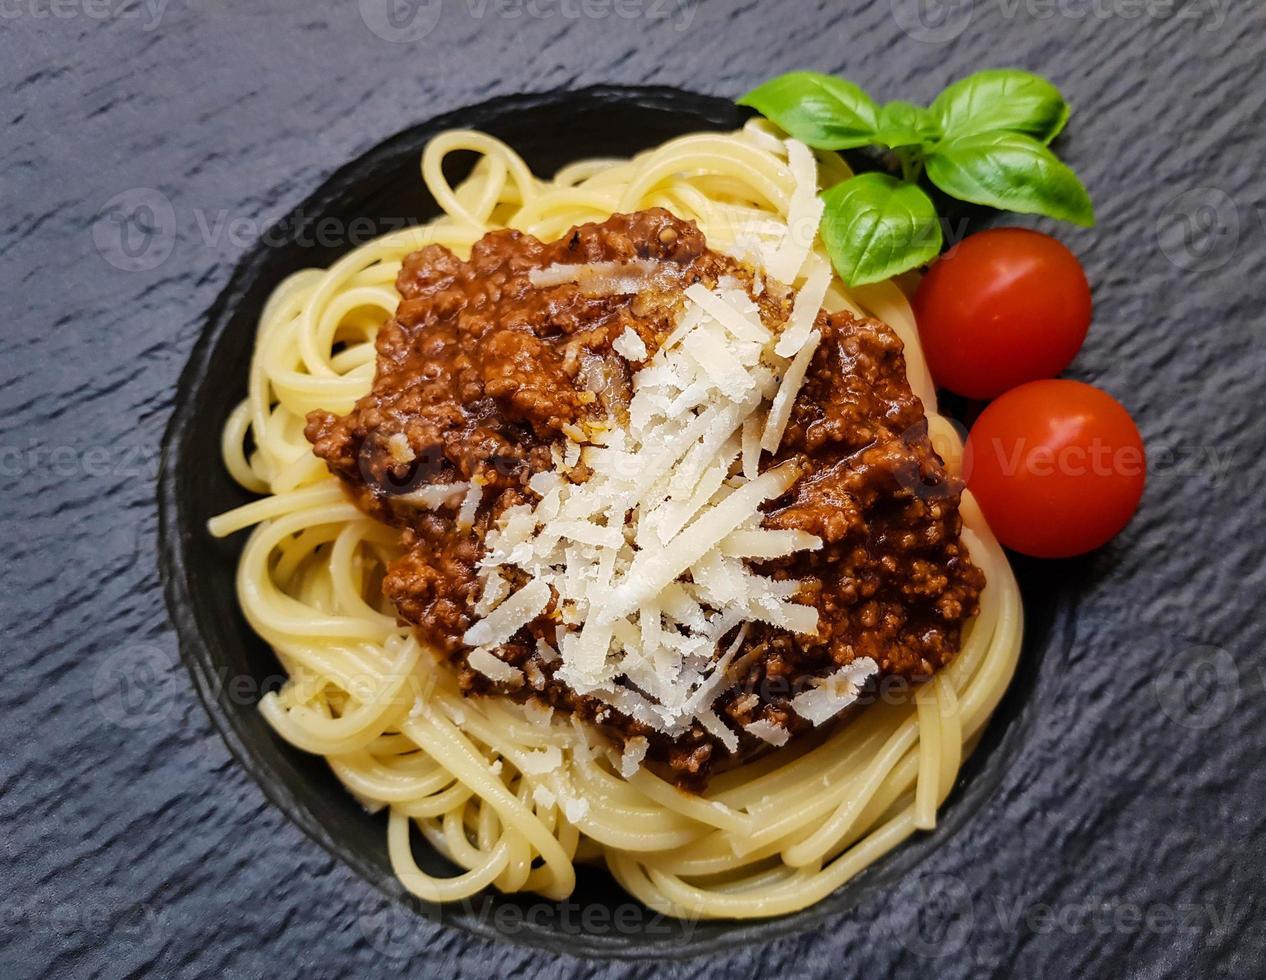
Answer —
543 796
575 809
780 411
804 311
767 731
751 447
645 560
538 713
652 571
599 278
399 449
433 495
470 504
716 727
635 750
768 544
742 321
511 616
493 667
721 366
496 588
630 346
538 763
804 214
835 692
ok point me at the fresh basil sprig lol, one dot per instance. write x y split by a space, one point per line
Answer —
882 224
826 112
1001 99
983 139
1012 172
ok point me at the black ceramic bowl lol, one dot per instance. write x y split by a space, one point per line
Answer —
232 667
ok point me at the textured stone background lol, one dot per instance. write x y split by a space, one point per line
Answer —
1128 842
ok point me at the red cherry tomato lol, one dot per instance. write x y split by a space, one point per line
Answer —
1057 467
1002 307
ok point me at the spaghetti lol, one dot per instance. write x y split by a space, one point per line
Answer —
489 785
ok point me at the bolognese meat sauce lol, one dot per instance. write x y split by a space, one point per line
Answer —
480 372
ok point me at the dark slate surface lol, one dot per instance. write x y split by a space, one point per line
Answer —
1128 840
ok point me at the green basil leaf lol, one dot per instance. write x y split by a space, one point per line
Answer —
876 226
1001 98
1012 172
825 112
906 124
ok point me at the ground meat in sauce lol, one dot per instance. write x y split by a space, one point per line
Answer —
479 372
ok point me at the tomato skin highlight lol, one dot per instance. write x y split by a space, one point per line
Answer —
1058 468
1002 307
